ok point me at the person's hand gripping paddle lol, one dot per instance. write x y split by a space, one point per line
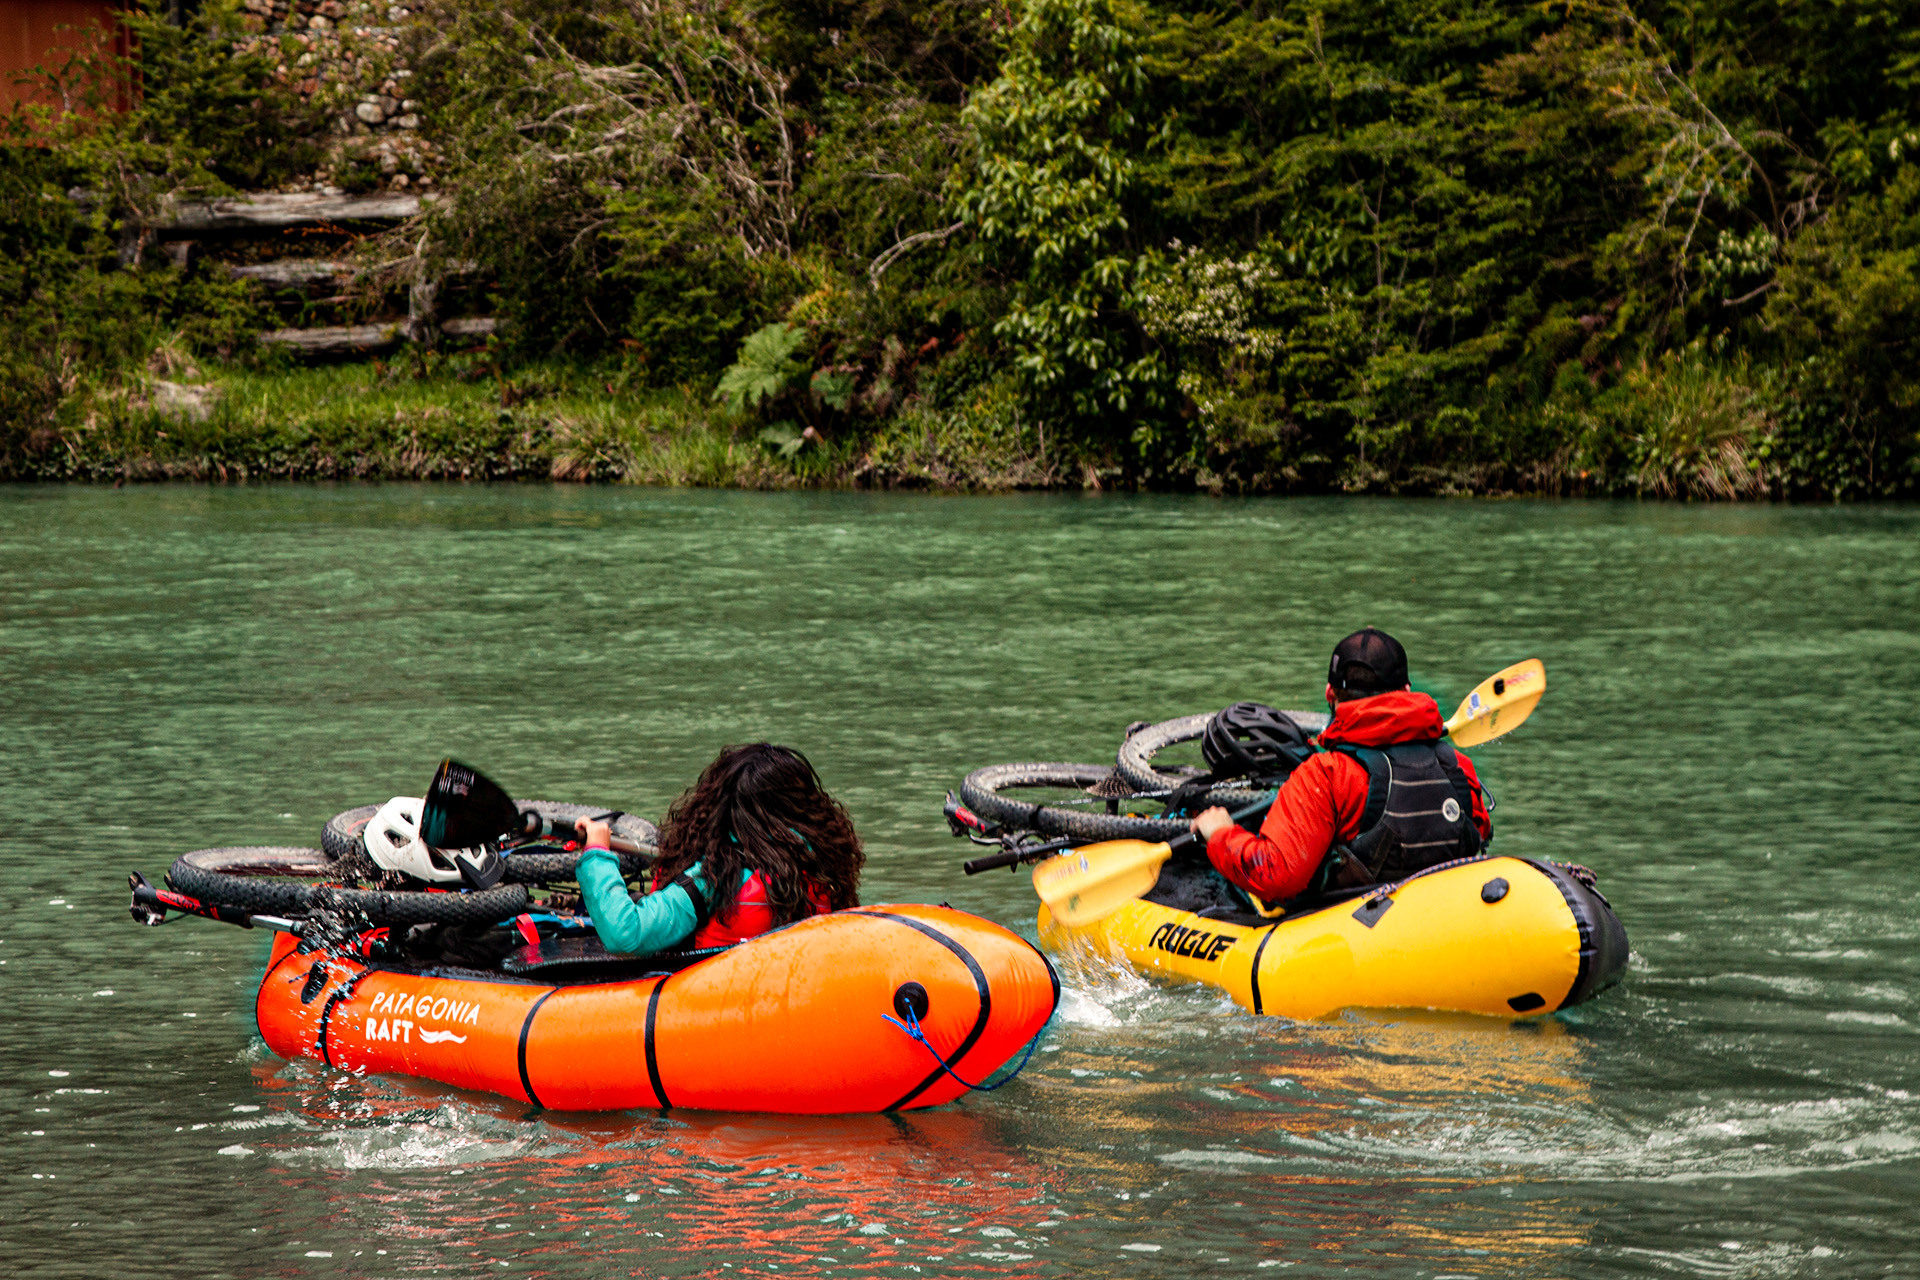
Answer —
1082 885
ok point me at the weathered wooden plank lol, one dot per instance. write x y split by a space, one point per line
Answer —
302 273
294 273
334 340
351 339
270 209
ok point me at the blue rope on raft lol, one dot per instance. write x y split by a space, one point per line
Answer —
912 1027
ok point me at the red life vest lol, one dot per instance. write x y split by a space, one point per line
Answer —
749 916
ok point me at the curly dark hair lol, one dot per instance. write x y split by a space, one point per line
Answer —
761 807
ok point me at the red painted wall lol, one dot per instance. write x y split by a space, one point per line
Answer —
31 34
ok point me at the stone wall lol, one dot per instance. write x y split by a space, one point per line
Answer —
345 58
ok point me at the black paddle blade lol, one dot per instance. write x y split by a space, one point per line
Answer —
465 809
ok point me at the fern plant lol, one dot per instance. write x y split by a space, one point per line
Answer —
765 368
769 372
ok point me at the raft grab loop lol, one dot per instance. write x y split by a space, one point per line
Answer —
904 1001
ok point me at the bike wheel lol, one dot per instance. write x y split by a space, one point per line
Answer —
284 881
1134 760
1047 784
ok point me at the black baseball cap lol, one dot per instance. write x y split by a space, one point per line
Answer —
1368 661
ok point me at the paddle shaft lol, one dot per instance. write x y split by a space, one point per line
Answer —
533 826
1187 839
1034 853
1084 884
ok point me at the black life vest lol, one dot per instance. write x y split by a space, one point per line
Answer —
1419 813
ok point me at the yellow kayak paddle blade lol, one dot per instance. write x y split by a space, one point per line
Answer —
1082 885
1499 705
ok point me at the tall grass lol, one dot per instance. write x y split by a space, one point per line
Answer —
456 420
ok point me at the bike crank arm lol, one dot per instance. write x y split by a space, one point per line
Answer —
150 907
1015 857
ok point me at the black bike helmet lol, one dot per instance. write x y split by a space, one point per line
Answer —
1252 740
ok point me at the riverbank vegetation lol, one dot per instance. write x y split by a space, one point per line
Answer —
1364 245
464 421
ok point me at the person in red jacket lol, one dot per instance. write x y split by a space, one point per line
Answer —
1387 796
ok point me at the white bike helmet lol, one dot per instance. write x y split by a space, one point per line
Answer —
393 841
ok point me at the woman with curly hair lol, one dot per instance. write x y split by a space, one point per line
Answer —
756 843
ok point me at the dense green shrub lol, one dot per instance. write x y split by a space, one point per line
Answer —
1846 313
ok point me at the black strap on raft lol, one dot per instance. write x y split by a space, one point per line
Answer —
912 1027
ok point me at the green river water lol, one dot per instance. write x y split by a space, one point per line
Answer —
1729 740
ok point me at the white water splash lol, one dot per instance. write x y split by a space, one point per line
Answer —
454 1136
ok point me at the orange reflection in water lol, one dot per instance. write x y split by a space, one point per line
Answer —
1366 1139
644 1194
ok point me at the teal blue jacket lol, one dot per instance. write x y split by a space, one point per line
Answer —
664 918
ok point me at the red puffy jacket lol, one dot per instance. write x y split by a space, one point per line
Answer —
1321 803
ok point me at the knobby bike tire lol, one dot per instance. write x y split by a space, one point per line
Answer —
983 788
1134 760
341 839
266 880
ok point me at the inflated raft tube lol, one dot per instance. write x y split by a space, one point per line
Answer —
1491 935
342 840
1134 761
791 1021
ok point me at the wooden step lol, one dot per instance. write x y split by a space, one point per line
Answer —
366 339
272 209
295 273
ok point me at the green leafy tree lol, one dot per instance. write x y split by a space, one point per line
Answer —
1624 246
1054 138
1847 314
